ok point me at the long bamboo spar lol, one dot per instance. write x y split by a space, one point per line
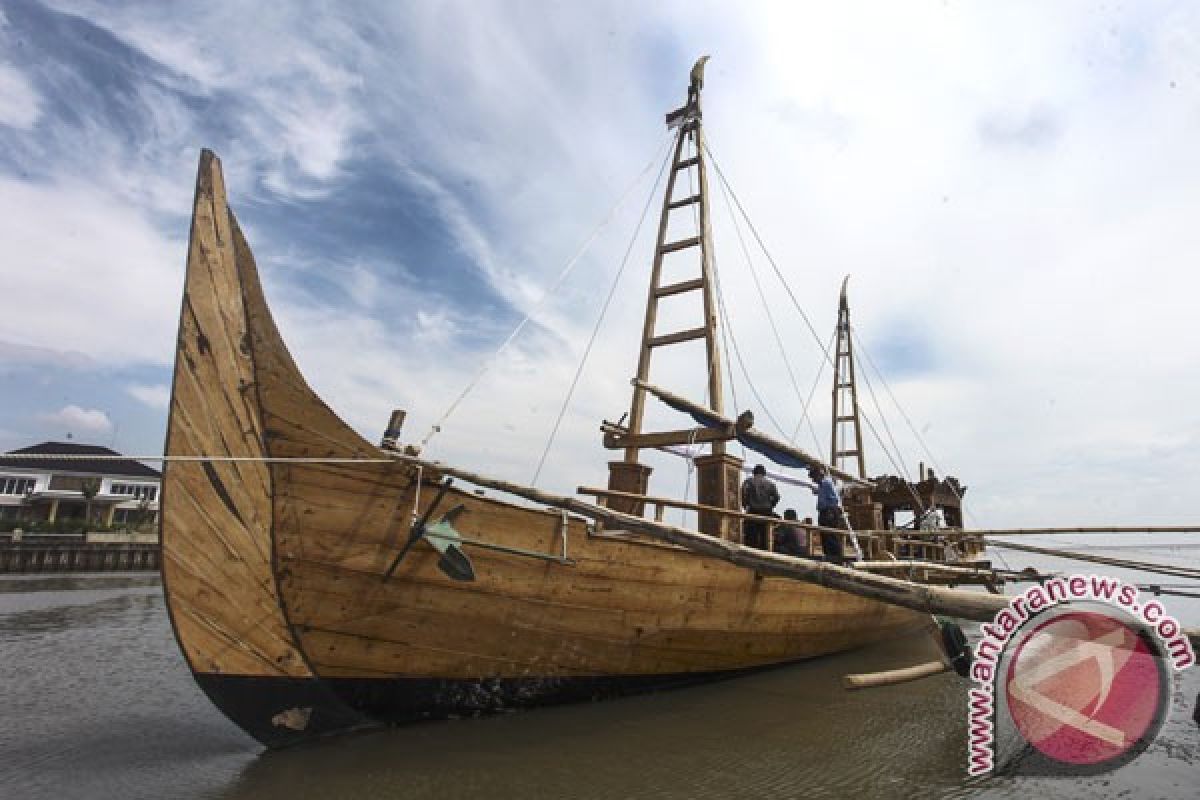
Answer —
930 599
1144 566
953 532
1091 529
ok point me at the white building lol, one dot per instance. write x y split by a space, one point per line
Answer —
49 489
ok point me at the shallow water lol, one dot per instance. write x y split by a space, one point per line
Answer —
97 703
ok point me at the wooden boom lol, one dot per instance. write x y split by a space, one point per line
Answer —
750 433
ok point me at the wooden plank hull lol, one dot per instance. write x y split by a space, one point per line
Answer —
216 516
624 616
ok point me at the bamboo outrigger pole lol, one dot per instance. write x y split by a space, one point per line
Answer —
930 599
1144 566
873 680
1055 531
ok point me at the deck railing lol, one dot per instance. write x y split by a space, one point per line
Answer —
946 545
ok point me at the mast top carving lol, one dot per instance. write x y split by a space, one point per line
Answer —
698 74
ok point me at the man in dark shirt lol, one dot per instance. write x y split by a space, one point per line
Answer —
759 496
790 539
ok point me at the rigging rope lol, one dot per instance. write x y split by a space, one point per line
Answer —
710 251
916 434
883 420
726 337
741 363
920 440
811 394
804 316
726 334
804 415
728 361
787 287
599 321
712 257
570 265
687 483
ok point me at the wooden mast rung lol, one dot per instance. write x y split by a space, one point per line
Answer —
676 338
620 441
680 245
679 288
687 201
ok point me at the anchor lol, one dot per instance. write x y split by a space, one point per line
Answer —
442 536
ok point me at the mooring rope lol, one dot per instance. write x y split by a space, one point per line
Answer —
165 459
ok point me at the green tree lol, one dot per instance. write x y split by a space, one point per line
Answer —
90 488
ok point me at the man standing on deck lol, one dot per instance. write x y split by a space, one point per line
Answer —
759 496
829 512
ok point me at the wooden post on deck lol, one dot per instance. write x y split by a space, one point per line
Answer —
632 477
718 484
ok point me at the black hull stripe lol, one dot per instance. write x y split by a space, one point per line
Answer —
400 700
256 703
280 711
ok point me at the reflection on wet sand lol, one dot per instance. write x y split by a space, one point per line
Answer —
99 704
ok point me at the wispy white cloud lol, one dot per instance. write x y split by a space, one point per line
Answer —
290 78
20 104
13 354
80 269
73 419
157 396
1012 188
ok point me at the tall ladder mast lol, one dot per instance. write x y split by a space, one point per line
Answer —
846 439
717 483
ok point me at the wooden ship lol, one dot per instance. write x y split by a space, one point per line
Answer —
317 582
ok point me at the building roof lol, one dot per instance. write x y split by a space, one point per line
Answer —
93 466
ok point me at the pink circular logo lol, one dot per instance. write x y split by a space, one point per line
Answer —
1085 689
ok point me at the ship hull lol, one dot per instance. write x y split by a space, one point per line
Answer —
623 616
554 611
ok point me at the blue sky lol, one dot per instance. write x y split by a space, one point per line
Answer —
1013 189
